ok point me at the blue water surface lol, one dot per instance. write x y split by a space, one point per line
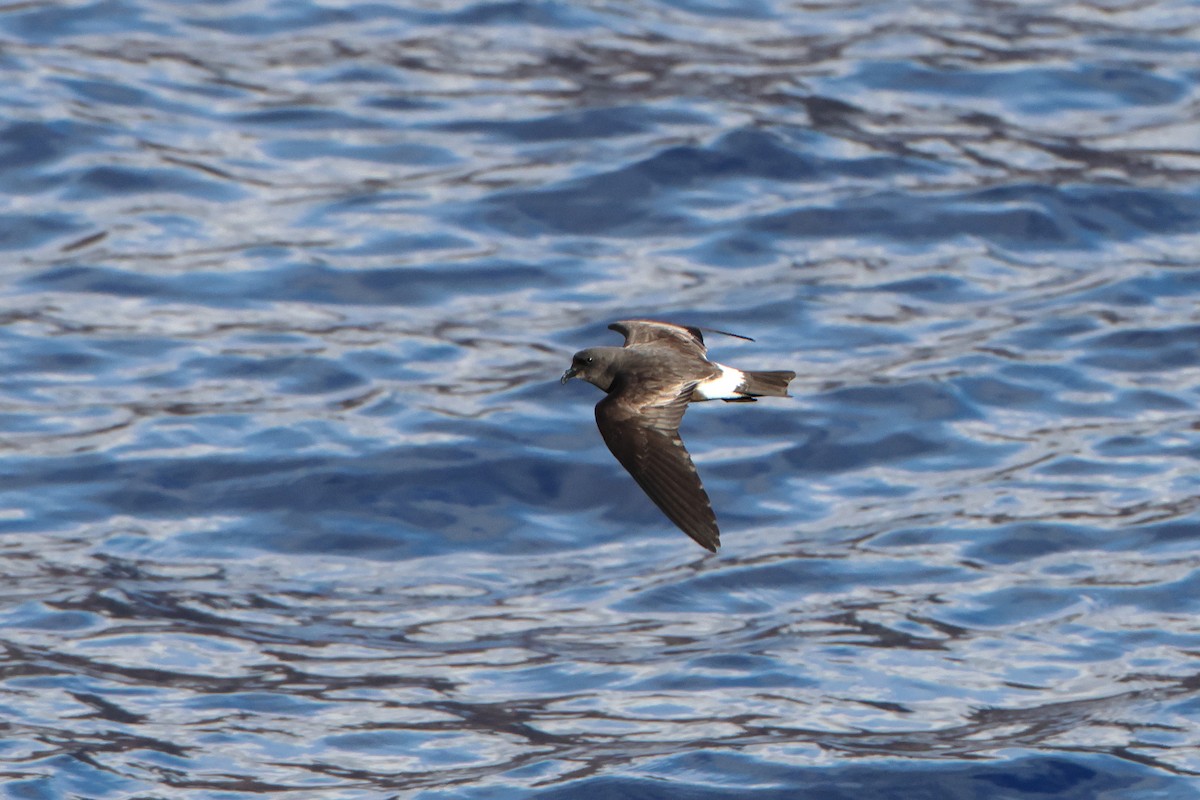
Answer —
293 505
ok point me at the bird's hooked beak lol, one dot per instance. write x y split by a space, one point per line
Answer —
566 376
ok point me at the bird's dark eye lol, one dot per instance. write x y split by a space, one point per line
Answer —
589 359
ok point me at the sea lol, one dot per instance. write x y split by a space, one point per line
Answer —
293 504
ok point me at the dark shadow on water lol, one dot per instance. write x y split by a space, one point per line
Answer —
1078 778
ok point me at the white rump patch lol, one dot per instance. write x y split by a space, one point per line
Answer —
722 387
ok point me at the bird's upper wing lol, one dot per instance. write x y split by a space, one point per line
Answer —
645 439
640 331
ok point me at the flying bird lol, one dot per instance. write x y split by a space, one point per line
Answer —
649 382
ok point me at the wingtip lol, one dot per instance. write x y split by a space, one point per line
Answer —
726 333
709 540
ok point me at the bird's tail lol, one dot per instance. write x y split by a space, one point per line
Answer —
767 383
736 385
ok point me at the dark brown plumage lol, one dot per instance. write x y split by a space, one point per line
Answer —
649 383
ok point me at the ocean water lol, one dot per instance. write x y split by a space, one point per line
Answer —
292 504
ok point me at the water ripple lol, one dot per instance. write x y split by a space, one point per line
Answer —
292 503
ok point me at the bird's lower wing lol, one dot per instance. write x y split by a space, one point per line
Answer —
658 461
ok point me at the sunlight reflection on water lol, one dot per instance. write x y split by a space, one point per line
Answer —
291 500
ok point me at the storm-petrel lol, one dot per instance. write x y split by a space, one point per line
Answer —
650 382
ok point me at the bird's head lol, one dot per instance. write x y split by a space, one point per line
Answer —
596 365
